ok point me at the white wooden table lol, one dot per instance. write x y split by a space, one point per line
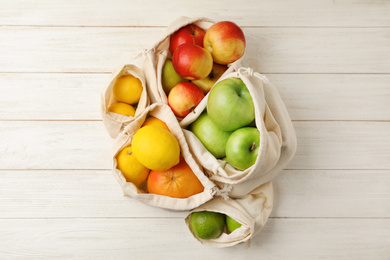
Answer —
58 199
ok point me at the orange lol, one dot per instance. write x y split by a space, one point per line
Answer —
122 108
131 169
177 182
155 121
127 89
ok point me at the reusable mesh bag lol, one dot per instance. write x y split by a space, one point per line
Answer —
164 113
251 211
277 134
157 55
114 122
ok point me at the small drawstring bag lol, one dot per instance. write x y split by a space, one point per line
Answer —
164 113
114 122
277 135
157 55
251 211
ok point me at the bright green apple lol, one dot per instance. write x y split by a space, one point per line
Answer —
242 147
230 104
169 77
210 135
232 224
207 83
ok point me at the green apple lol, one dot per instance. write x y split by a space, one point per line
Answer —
230 104
232 224
169 77
210 135
207 83
242 147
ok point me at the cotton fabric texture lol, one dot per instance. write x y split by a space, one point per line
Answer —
164 113
114 122
277 136
159 52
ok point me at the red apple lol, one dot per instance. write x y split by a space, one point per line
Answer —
184 97
188 34
207 83
225 41
192 62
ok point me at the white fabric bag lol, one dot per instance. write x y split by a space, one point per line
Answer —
114 122
164 113
157 55
251 211
277 135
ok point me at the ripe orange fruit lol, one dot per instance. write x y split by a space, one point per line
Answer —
177 182
122 108
127 89
155 121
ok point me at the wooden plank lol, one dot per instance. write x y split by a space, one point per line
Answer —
342 145
170 238
96 194
54 145
332 193
77 96
51 96
86 145
363 13
270 50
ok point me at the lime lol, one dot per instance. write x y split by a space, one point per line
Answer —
207 224
232 224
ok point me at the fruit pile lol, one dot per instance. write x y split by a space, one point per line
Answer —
126 92
158 161
197 59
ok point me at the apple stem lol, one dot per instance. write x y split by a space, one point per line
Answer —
129 152
252 147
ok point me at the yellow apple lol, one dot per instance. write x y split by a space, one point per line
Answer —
207 83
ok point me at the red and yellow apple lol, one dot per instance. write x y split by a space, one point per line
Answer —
208 82
187 34
192 62
225 41
184 97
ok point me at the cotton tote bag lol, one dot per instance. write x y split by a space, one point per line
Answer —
159 52
277 135
251 211
114 122
164 113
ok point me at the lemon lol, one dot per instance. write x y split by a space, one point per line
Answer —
122 108
207 224
127 89
231 224
155 121
131 169
156 148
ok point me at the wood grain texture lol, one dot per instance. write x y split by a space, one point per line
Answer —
96 194
86 145
307 13
329 59
54 145
126 238
270 50
75 96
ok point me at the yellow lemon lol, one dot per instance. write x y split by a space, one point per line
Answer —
155 121
127 89
131 169
122 108
156 148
